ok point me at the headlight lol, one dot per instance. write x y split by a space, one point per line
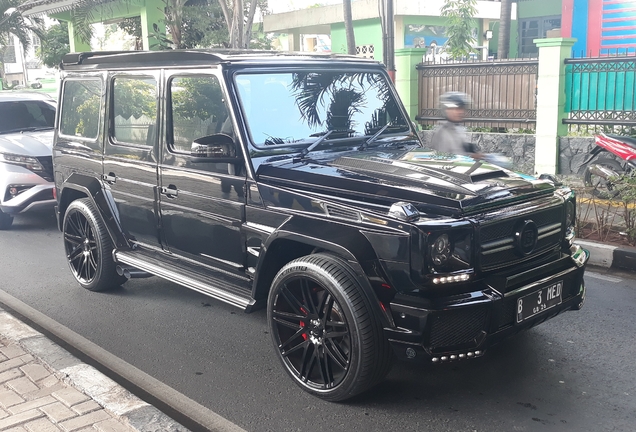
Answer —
450 251
28 162
570 213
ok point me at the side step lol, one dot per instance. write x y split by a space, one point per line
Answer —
160 269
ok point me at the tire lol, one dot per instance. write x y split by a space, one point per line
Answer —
5 221
599 186
89 247
324 329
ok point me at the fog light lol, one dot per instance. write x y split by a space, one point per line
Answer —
461 356
444 358
435 359
470 354
13 191
477 353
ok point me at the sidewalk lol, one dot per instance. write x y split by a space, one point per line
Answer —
43 388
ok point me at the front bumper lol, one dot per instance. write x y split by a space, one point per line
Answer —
464 326
37 197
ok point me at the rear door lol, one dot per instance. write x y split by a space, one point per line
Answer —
130 157
202 203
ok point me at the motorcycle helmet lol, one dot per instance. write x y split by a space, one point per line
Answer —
454 99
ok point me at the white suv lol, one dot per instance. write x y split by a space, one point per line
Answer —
26 169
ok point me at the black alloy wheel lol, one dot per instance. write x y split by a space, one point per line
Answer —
89 247
324 330
602 187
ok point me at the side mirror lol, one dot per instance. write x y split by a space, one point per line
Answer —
216 146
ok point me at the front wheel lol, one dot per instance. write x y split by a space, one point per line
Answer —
5 221
89 247
324 329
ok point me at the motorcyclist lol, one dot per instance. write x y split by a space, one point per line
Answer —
449 136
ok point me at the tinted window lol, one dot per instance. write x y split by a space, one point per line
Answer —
80 108
135 110
20 115
198 109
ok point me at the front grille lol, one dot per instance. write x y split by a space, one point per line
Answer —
497 238
455 327
47 163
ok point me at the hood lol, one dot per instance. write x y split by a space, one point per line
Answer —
449 185
36 144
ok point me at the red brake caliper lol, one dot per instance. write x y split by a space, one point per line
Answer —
302 324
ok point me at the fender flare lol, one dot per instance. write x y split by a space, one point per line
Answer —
103 200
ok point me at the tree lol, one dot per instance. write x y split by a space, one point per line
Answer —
503 45
240 24
348 22
12 23
460 25
54 44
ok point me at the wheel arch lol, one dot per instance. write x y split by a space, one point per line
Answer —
78 186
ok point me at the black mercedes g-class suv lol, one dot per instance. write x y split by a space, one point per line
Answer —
298 183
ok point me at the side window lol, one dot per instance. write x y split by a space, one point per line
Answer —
135 110
198 109
81 100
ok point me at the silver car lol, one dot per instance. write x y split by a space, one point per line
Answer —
26 169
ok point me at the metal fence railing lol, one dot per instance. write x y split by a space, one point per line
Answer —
503 92
599 93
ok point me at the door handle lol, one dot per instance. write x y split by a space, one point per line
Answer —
170 191
110 178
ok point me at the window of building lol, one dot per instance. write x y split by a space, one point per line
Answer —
134 110
81 102
535 28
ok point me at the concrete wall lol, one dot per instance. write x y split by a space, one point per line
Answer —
521 149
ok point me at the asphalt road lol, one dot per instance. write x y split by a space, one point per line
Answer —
576 372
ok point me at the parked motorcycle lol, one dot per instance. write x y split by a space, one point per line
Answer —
600 172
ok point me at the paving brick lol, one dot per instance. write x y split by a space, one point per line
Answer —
11 351
32 404
8 398
49 381
10 364
111 425
45 391
85 420
35 372
17 429
58 412
22 385
69 396
3 413
86 407
41 425
18 419
27 358
10 375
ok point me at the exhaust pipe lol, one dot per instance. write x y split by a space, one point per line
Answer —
132 273
603 171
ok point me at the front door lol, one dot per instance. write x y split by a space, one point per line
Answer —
202 203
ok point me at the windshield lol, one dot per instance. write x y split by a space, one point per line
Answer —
16 116
295 108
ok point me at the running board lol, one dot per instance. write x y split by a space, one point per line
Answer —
243 302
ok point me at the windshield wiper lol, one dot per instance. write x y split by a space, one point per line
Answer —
314 144
374 137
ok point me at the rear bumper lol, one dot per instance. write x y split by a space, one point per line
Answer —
36 197
464 326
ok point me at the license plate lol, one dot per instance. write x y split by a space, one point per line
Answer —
539 301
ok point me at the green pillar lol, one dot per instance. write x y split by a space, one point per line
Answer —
550 102
75 41
406 78
151 15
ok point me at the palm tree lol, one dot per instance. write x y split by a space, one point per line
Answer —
12 23
503 49
348 22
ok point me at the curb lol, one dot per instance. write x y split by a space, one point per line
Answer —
602 255
131 410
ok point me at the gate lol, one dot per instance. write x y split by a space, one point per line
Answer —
503 92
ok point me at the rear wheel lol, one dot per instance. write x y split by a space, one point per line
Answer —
5 221
601 186
89 247
324 329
